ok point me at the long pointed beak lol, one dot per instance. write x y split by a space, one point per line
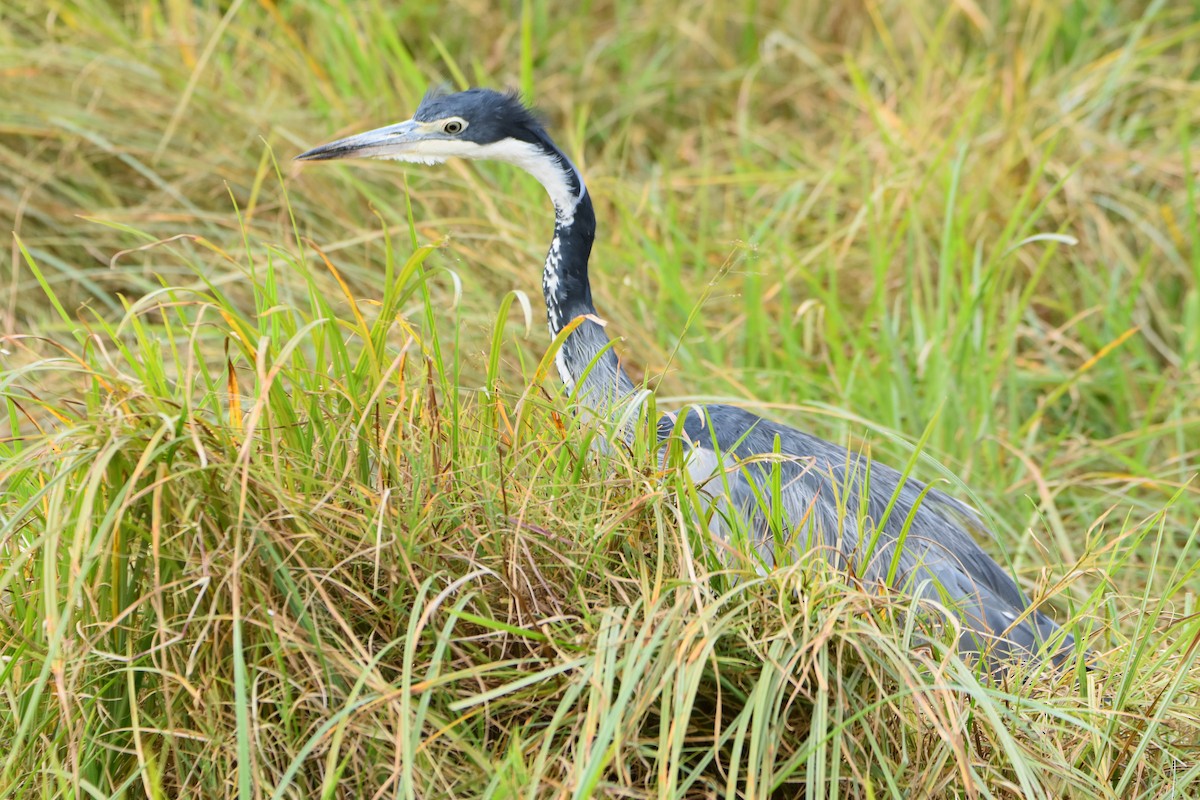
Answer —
388 142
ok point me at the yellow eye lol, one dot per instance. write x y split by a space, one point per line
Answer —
453 126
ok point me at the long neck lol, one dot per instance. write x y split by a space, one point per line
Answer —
565 281
586 362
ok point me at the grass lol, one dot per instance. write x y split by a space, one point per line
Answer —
293 508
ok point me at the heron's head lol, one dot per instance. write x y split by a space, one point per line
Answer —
477 123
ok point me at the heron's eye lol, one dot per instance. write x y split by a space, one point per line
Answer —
453 126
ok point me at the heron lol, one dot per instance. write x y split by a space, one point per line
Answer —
789 490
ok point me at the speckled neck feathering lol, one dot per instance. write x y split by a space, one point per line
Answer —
787 491
586 362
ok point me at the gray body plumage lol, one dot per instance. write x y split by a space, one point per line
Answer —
786 490
837 501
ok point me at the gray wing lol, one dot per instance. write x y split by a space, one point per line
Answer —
747 465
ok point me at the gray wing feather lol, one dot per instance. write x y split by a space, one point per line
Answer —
822 486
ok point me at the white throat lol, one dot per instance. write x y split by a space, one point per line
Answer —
549 169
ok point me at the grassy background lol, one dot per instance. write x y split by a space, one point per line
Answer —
290 511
